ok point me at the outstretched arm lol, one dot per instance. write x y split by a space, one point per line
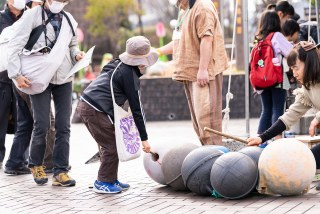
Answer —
166 50
277 128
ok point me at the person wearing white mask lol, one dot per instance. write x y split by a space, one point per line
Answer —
19 152
58 44
11 13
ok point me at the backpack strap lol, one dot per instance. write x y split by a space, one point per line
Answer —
270 36
68 19
36 32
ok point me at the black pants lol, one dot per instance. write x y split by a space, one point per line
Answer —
7 106
22 136
19 151
62 98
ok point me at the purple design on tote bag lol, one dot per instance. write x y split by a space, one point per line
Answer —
131 136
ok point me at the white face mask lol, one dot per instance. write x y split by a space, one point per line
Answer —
56 7
19 4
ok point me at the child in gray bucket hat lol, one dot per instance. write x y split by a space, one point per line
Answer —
96 108
139 52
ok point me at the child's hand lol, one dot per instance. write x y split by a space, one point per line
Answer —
254 141
313 125
145 146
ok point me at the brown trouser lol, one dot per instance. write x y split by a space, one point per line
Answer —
205 104
102 130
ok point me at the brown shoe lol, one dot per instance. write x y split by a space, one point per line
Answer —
39 175
63 179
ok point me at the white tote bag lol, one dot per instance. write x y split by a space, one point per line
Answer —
127 135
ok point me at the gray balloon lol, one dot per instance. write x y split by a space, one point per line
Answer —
252 151
171 165
234 175
196 168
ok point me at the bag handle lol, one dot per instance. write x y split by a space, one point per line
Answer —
111 85
69 22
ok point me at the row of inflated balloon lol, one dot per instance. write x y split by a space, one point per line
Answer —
285 167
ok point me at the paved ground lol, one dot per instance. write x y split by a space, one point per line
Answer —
19 194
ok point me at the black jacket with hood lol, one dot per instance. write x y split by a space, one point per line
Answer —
126 87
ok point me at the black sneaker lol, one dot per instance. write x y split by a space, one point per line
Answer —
17 171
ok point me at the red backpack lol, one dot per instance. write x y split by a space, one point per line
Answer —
263 72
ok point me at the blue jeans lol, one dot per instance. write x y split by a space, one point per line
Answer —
21 140
62 98
273 102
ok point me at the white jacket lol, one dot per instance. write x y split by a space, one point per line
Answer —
30 20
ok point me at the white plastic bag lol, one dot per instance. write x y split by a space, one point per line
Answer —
127 135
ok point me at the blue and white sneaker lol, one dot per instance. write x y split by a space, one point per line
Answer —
106 188
122 185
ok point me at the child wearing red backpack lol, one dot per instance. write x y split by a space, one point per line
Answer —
272 96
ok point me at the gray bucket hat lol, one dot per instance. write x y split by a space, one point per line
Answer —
139 52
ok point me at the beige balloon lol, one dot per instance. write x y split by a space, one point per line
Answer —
286 167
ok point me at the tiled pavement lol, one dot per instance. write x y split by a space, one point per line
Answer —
19 194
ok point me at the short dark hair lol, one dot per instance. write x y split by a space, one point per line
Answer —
289 27
285 7
269 23
311 60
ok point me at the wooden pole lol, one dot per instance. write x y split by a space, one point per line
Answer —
225 135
